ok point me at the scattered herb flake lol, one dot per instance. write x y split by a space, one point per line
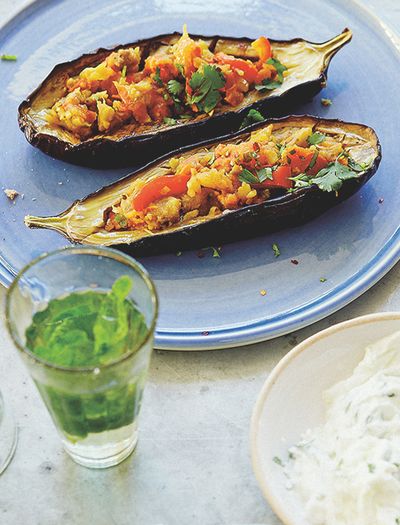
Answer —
263 292
326 101
276 250
8 58
313 160
316 138
371 467
215 251
392 394
252 116
323 280
178 254
278 461
294 261
157 77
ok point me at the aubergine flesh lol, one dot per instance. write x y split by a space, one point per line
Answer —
306 66
341 157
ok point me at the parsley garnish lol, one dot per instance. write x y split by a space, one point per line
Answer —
268 83
175 88
316 138
252 116
276 250
157 77
9 58
169 121
330 178
326 101
206 85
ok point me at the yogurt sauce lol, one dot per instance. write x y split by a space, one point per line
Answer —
347 471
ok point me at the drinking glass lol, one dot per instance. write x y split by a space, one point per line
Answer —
95 409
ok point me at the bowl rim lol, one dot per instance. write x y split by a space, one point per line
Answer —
264 482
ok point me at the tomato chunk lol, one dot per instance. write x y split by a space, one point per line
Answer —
165 186
248 69
281 178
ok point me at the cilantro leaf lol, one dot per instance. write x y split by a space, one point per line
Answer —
247 176
206 85
355 166
268 84
252 116
181 69
313 160
157 77
280 68
174 87
316 138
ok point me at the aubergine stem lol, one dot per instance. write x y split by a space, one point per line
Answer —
55 223
330 47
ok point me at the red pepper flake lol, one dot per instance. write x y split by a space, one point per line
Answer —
205 333
294 261
381 200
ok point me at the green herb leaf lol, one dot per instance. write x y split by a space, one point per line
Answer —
371 467
313 161
276 250
174 87
206 85
215 252
180 68
169 121
252 116
316 138
264 174
323 280
212 159
121 220
9 58
268 84
278 461
280 68
355 166
247 176
157 77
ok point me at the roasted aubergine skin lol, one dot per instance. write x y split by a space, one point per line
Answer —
307 64
84 221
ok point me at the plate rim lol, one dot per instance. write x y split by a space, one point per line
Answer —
324 305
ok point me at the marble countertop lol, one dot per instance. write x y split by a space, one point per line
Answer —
192 462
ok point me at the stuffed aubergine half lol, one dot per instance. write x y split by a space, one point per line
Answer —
119 107
277 174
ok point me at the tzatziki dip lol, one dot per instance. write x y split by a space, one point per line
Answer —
347 471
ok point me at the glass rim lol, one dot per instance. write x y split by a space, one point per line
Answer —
103 251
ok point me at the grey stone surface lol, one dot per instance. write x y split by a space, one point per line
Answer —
192 463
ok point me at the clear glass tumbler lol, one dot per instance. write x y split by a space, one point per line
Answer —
95 409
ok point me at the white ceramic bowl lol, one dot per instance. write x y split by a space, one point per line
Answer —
291 401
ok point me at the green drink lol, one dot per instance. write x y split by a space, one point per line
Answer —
87 346
89 329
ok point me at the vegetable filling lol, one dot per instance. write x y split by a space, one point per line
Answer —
232 175
176 82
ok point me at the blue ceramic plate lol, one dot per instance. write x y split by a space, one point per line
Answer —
216 302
